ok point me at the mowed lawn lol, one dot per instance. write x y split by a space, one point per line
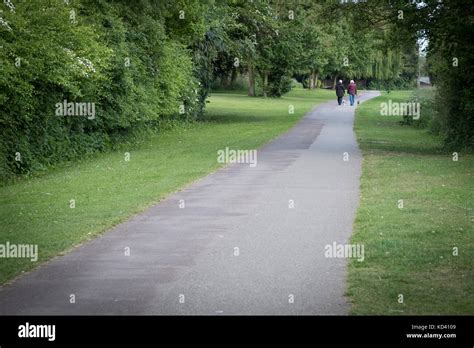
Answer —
423 246
107 189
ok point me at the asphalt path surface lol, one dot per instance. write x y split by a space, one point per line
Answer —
249 240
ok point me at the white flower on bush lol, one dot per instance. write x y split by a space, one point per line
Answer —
5 24
87 63
9 4
84 65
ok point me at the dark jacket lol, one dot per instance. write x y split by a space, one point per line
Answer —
352 89
339 90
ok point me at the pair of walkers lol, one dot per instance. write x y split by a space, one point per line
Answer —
351 90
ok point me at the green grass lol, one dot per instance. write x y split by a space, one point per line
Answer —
107 190
409 251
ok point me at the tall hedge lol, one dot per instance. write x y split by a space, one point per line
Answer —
116 55
451 60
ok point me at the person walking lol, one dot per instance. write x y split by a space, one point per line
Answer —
339 92
352 91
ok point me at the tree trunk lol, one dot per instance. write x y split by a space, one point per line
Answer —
251 72
225 80
233 77
265 84
313 79
418 74
334 84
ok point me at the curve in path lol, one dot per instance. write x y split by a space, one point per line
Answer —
184 260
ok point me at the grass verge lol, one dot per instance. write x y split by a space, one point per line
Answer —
416 211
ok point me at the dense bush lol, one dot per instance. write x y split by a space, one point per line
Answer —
117 59
279 84
427 119
393 84
454 116
450 61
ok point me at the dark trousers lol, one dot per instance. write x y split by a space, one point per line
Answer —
339 100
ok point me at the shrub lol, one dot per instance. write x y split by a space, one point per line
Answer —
118 59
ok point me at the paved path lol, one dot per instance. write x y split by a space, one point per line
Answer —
188 254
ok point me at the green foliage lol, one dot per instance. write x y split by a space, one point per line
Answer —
427 119
147 62
446 29
451 59
116 56
279 85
